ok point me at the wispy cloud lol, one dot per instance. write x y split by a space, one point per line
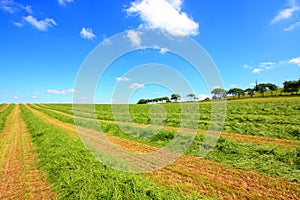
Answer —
13 7
18 24
87 33
16 97
34 97
292 26
41 25
134 37
165 15
295 61
63 2
264 66
135 86
286 13
52 91
122 78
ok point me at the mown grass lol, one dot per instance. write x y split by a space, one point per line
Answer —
272 118
266 159
4 114
75 174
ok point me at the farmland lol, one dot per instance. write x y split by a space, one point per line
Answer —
256 157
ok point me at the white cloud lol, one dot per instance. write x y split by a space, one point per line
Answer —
71 90
165 15
56 91
135 37
12 7
36 93
257 70
63 2
286 13
106 42
16 97
252 84
18 24
163 50
41 25
292 26
295 61
203 96
87 33
247 66
264 66
135 86
122 78
34 97
61 91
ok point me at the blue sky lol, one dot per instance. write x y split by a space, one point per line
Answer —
44 43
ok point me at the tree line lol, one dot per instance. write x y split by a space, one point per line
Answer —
288 87
291 87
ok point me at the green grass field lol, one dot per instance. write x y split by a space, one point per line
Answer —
256 157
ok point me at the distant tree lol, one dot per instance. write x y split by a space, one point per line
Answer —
291 86
249 91
236 91
142 101
261 88
219 93
175 97
166 99
191 96
272 87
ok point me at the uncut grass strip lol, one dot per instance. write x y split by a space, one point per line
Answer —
75 173
208 176
277 162
232 136
19 178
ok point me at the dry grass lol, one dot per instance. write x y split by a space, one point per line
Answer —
19 177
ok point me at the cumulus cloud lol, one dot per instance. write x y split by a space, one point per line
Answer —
134 37
135 86
286 13
61 91
165 15
122 78
63 2
41 25
87 33
295 61
292 26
